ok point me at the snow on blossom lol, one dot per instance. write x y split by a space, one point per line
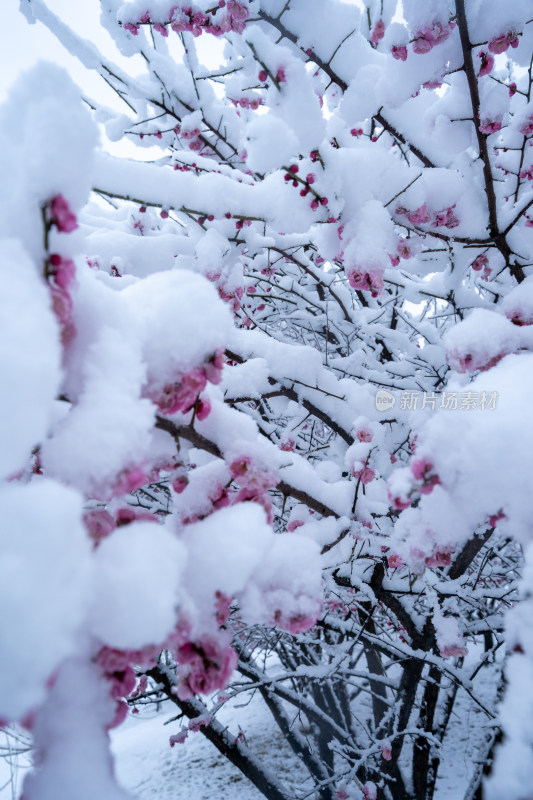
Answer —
172 308
517 305
179 738
482 473
97 445
226 547
449 636
276 595
370 791
386 750
480 341
269 143
137 577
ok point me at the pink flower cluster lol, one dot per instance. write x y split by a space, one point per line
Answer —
452 650
183 394
204 666
378 32
502 43
420 479
363 473
280 75
296 622
233 297
62 307
399 52
100 523
188 19
441 557
423 473
428 38
422 216
179 738
307 182
246 102
437 556
117 668
366 280
255 480
489 126
61 216
481 264
60 272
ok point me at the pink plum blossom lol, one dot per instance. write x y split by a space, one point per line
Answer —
61 215
179 738
395 561
501 43
99 524
489 126
370 791
399 52
386 750
422 470
479 262
365 474
427 38
487 63
204 666
378 32
366 280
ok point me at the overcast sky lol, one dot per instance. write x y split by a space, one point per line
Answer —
23 44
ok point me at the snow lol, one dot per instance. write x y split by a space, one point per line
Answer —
74 758
269 143
29 358
264 465
138 574
44 585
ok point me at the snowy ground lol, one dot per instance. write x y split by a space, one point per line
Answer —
149 768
